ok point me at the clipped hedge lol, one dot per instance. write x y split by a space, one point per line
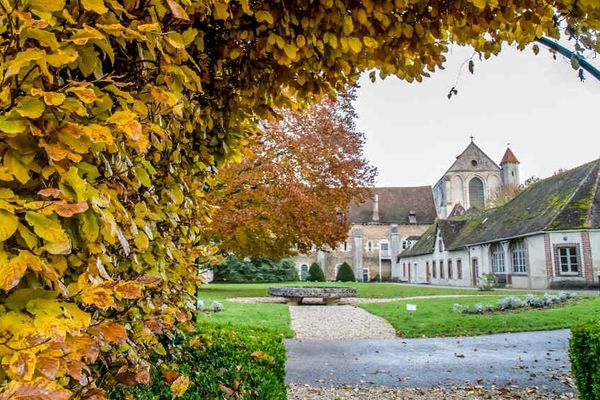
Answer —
258 269
221 361
584 352
345 273
315 273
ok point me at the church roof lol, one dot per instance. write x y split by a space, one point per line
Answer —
395 204
472 159
509 158
567 201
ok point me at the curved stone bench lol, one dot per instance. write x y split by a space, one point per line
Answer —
295 294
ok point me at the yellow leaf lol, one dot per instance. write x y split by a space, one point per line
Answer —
82 36
479 3
177 10
122 117
21 365
84 94
221 11
47 5
99 134
12 126
180 386
264 16
290 50
100 296
355 44
30 107
141 241
49 229
45 38
8 225
50 98
12 271
370 42
94 5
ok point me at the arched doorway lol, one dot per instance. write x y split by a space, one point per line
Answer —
476 194
303 272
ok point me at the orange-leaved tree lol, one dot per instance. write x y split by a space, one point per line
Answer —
113 115
295 190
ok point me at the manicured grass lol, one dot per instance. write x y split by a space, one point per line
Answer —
273 316
434 317
367 290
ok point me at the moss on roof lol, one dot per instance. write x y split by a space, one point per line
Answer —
570 200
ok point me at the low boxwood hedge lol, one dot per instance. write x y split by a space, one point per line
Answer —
221 362
584 352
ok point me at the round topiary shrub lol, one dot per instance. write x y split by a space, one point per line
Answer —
345 273
315 273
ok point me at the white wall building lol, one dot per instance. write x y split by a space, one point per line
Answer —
547 237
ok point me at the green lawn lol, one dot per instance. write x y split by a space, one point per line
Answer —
435 317
277 317
368 290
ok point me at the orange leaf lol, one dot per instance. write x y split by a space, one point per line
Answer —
50 192
111 332
67 210
170 376
177 10
48 366
128 290
38 389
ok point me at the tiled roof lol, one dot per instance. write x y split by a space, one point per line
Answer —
395 205
567 201
509 158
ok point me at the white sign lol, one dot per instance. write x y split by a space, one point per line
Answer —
411 307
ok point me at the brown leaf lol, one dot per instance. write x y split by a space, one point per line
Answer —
128 290
227 391
37 389
177 10
47 366
111 332
170 376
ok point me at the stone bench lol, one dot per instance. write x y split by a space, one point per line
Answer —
295 294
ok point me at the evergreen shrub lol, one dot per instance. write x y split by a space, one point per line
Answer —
345 273
258 269
584 352
315 273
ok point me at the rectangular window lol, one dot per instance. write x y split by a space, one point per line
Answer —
440 246
568 260
449 269
403 269
459 268
498 259
427 269
433 266
519 257
441 269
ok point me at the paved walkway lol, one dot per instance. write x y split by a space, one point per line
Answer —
524 359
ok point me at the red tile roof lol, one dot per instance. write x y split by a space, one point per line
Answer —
509 157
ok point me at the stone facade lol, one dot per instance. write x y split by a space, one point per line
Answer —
381 227
472 179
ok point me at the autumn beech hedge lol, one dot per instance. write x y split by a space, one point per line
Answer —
114 114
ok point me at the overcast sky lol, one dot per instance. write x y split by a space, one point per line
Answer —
535 103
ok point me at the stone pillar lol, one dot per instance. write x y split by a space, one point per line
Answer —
357 253
507 262
395 250
321 260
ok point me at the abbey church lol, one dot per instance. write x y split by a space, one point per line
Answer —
394 219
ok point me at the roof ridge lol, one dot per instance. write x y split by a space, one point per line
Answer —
579 186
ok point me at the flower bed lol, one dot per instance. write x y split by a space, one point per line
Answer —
513 303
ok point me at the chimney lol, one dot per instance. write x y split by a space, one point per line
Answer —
376 208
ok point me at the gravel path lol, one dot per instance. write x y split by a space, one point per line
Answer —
338 322
347 392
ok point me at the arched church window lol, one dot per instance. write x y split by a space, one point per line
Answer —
476 196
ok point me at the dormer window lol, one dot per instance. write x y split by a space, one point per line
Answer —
412 217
